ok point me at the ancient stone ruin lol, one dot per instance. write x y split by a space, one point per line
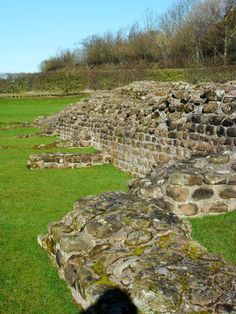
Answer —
147 124
179 141
181 138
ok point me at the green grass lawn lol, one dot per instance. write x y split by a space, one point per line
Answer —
27 109
31 199
217 234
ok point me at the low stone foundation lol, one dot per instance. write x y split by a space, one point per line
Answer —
66 160
122 240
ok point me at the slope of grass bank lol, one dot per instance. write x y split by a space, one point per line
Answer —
109 76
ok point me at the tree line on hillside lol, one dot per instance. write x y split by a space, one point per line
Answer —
190 33
193 40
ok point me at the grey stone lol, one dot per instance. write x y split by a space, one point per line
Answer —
227 122
71 243
202 194
231 132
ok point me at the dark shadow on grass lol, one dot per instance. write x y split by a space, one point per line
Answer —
113 301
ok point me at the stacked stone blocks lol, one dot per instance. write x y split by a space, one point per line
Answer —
179 140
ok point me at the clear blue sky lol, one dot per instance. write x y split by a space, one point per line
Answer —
33 30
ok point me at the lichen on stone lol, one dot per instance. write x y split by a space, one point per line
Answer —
157 263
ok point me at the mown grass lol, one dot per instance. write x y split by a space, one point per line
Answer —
31 199
217 234
27 109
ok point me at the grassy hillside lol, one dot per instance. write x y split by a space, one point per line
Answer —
109 76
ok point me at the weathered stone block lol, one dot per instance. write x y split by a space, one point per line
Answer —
228 141
210 107
229 108
181 178
228 193
70 269
162 203
227 122
231 132
202 147
196 118
188 108
216 120
70 243
177 193
202 194
210 95
188 209
163 158
180 93
200 128
218 207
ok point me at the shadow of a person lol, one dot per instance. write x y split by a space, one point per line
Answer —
113 301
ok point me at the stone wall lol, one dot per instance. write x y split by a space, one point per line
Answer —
151 128
196 186
66 160
147 124
124 241
182 138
